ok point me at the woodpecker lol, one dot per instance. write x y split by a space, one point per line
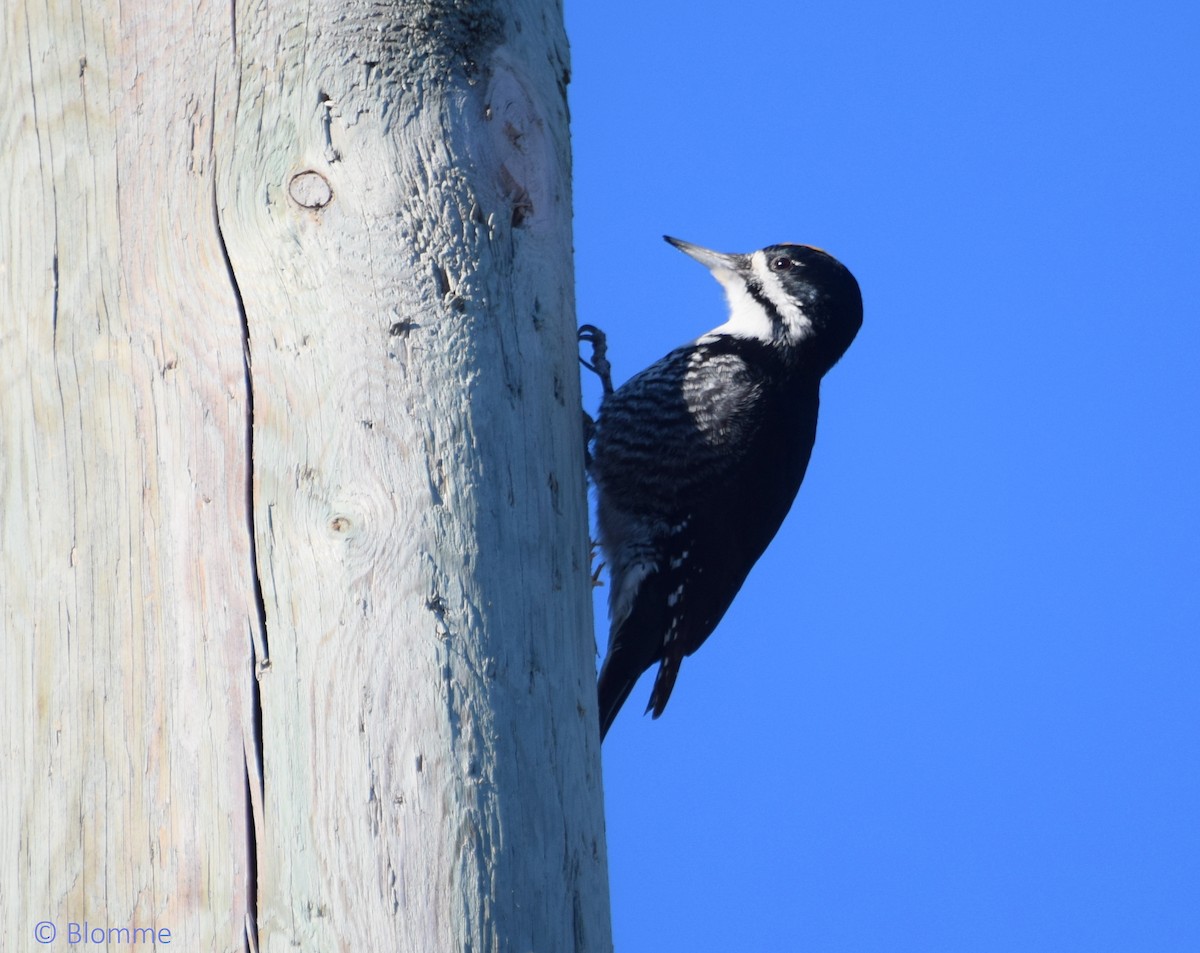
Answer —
696 460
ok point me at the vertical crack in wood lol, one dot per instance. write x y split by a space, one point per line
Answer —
253 757
252 776
54 304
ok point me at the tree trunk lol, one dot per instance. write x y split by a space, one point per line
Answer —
295 595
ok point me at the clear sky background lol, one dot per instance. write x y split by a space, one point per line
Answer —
956 706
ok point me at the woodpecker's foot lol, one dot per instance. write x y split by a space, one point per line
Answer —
599 364
596 580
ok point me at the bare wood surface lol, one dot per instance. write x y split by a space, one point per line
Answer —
295 613
127 596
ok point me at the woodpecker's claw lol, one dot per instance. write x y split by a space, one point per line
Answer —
596 580
599 364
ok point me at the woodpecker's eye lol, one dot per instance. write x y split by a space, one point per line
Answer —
782 263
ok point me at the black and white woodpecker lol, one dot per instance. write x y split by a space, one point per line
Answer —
697 459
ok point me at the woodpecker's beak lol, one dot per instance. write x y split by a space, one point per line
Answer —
714 261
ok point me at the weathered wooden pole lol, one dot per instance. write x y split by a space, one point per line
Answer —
295 596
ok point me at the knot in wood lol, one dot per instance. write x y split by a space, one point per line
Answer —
310 189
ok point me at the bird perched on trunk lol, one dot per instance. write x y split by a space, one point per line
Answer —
697 459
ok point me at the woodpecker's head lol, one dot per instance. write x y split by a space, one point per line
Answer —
793 297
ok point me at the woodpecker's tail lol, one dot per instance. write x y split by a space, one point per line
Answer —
620 672
664 681
618 675
635 645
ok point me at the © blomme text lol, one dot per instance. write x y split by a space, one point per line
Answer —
82 934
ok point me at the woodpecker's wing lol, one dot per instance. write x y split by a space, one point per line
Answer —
679 428
697 461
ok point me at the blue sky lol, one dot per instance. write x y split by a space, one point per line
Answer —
957 704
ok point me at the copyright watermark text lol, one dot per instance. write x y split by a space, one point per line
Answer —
82 934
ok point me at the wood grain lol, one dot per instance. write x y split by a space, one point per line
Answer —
295 594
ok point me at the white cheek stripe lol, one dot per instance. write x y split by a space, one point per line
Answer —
797 323
747 317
